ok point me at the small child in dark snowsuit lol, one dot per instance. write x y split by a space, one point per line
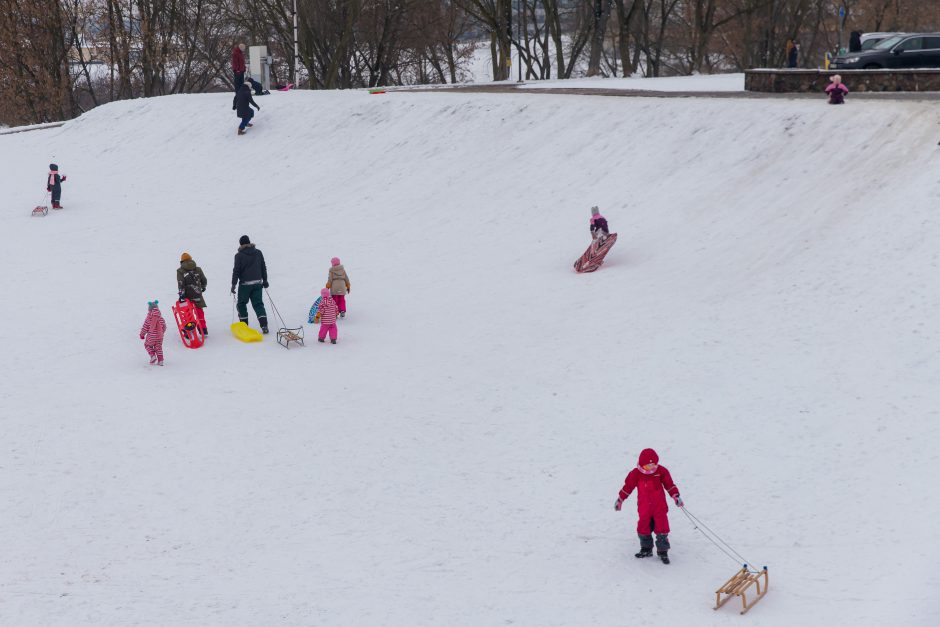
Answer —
54 185
650 480
152 333
243 104
599 228
836 90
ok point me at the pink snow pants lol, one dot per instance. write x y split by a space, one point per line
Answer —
340 302
327 327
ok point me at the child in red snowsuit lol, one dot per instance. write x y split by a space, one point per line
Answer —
650 481
326 316
152 333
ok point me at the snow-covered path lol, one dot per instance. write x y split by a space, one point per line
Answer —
767 321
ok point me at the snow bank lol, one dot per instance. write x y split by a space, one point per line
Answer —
698 83
767 321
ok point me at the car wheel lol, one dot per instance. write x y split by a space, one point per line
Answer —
872 66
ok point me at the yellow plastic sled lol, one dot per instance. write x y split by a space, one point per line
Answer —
245 333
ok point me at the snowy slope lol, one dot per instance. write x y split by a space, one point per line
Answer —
767 321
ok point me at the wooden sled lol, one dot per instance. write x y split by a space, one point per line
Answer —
286 336
40 211
738 586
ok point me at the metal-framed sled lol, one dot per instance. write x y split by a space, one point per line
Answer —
285 336
40 211
739 585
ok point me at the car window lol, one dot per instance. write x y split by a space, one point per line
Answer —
931 43
868 44
887 43
914 43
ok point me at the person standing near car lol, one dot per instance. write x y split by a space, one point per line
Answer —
250 274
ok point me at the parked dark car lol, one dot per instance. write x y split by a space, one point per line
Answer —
898 52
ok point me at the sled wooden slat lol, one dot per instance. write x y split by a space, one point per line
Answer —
738 586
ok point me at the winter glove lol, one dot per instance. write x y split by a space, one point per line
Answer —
141 336
348 289
233 290
265 284
63 179
316 318
678 501
618 504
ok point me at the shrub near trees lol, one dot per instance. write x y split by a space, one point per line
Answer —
61 57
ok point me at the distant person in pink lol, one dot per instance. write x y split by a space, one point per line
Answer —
836 90
338 283
326 316
152 333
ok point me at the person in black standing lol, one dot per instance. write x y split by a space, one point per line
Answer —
243 104
793 55
251 276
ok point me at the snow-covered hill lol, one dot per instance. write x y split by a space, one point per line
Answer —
768 321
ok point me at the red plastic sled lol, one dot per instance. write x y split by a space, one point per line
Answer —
191 333
593 257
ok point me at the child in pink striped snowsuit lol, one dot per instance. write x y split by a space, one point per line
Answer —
326 314
152 333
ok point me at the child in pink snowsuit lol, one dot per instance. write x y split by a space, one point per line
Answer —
326 315
650 481
152 333
836 90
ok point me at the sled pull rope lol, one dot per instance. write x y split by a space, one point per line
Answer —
711 536
274 307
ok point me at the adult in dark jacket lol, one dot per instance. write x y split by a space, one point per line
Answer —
243 104
793 55
54 185
191 282
238 65
251 276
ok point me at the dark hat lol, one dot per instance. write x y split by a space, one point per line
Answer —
53 166
243 240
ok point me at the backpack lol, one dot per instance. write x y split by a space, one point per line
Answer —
192 288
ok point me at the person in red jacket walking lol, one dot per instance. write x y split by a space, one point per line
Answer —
650 480
152 333
238 66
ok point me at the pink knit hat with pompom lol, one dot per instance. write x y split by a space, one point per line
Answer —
335 261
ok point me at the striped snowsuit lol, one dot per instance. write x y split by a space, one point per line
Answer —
327 311
152 334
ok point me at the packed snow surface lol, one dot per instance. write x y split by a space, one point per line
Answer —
768 321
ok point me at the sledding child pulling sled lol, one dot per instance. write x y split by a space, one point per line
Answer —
603 241
152 333
326 316
191 282
54 185
337 281
650 480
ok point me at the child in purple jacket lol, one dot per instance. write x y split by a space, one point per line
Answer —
836 90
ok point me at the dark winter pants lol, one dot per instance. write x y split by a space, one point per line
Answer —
646 539
254 294
239 80
56 193
246 119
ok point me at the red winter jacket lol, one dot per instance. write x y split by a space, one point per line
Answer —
238 60
650 499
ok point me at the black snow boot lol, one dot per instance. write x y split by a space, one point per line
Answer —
663 556
662 547
205 331
332 341
263 321
646 546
